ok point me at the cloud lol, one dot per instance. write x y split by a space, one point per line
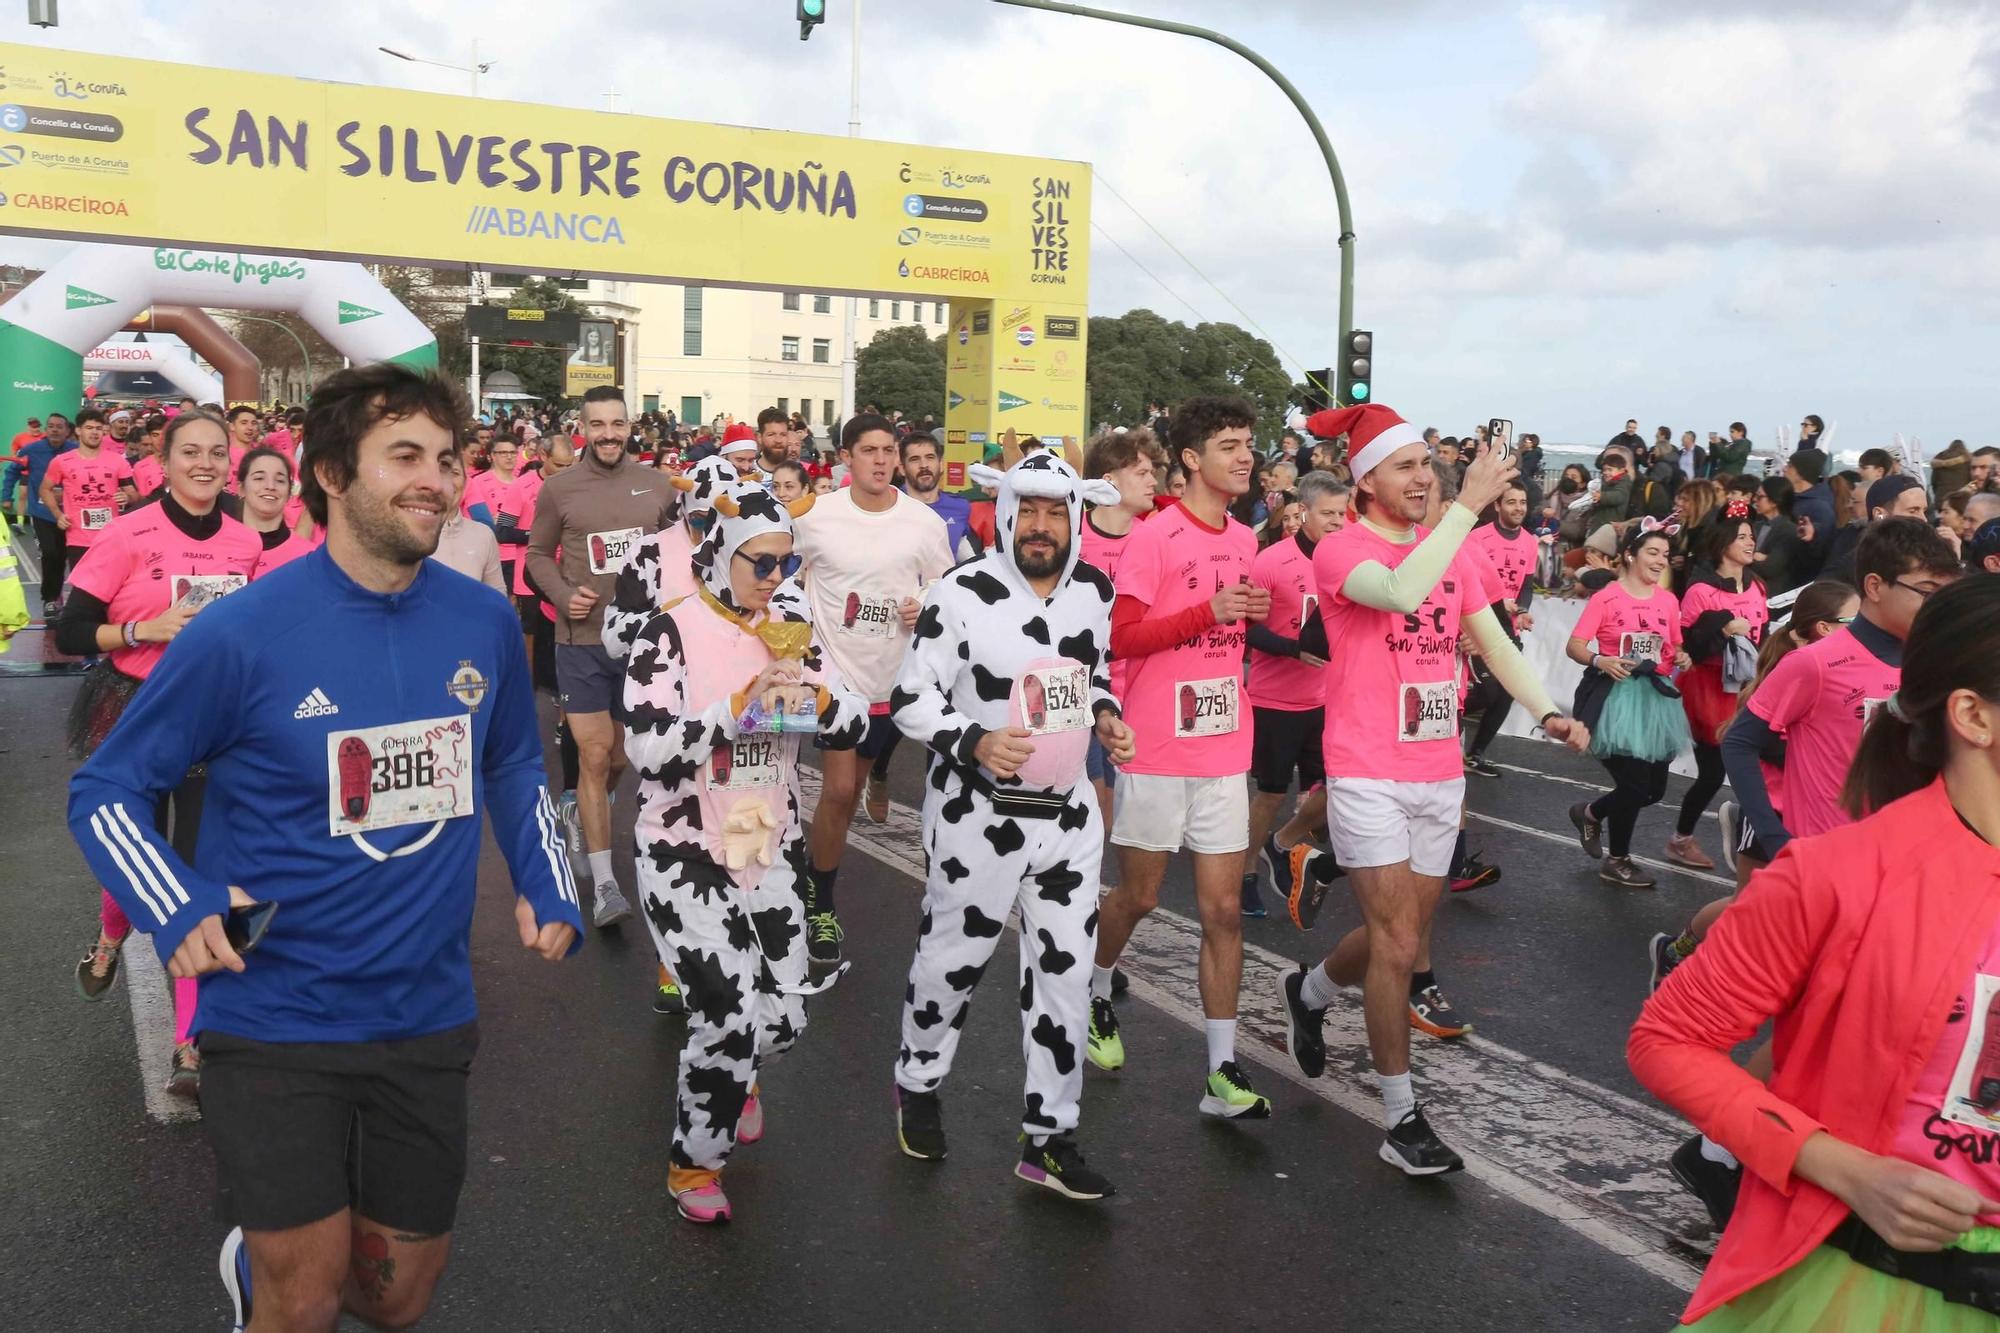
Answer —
1823 128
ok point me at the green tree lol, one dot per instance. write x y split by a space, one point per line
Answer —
540 368
1140 357
902 369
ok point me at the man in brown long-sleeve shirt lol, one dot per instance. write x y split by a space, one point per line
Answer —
587 520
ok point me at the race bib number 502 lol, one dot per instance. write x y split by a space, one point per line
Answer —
403 773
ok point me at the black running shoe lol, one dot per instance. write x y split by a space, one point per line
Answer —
1253 901
919 1124
823 936
1304 1038
1589 830
1480 764
1056 1164
1474 873
1277 869
1711 1182
1664 958
1414 1150
1622 871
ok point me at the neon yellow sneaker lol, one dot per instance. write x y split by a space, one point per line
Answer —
1231 1097
1105 1048
668 1000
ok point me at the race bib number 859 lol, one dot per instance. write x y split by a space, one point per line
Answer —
404 773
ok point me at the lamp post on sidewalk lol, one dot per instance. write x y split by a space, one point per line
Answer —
1298 101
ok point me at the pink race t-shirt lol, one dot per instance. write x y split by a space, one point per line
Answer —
286 551
147 475
1950 1122
89 491
1508 560
1392 678
519 500
1102 552
1183 703
484 488
142 564
1633 628
1820 696
1749 604
1285 683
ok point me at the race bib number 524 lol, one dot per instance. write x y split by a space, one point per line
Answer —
404 773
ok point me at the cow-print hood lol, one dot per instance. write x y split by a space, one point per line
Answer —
1044 476
743 510
697 488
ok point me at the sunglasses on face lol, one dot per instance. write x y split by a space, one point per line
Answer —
767 564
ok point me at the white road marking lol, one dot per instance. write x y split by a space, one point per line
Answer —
1592 1159
1570 838
151 991
1558 777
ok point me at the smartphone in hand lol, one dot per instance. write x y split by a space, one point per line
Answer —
245 926
1500 435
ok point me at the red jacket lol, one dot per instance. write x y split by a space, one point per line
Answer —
1855 942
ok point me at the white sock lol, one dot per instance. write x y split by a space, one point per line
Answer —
1715 1152
600 868
1221 1033
1318 989
1399 1098
1100 981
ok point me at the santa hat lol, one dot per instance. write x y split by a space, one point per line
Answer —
1373 433
739 437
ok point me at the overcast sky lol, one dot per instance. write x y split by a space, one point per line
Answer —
1687 211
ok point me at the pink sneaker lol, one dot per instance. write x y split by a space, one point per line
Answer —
750 1125
704 1203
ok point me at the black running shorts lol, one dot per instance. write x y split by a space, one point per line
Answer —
1287 742
303 1130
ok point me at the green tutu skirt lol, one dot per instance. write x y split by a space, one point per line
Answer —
1827 1292
1639 722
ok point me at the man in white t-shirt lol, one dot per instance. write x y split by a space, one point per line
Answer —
867 552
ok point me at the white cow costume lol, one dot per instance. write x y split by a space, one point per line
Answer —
660 567
721 851
988 653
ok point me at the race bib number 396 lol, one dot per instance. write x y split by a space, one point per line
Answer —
1205 707
403 773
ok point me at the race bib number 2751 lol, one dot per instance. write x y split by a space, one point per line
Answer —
1205 707
403 773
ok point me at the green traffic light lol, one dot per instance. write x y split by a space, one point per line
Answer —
1359 391
813 8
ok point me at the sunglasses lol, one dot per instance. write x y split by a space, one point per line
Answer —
767 564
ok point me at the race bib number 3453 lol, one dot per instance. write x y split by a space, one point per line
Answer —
1205 707
403 773
1430 712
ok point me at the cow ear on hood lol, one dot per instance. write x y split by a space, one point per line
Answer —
800 507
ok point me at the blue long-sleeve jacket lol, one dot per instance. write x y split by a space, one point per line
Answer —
352 740
32 467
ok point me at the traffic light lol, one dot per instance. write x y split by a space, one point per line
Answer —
812 13
1319 391
1357 368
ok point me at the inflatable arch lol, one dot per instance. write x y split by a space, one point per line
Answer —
169 363
92 291
211 342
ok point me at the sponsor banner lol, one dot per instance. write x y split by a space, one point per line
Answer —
335 170
594 358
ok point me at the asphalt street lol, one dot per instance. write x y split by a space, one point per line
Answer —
1561 1222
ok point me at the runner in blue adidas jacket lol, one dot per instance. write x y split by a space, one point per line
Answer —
358 711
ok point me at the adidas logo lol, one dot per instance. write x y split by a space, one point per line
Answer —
315 704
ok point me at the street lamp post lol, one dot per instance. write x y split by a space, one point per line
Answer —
304 356
1312 123
475 69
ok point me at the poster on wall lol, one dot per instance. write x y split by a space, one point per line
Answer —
593 358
